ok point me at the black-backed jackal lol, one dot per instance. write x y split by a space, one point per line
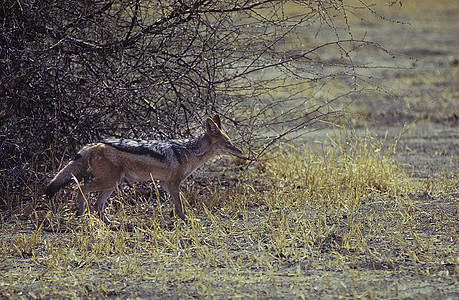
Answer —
168 161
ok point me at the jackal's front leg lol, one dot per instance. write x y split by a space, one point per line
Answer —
174 192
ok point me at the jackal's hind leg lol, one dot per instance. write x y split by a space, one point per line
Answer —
105 189
82 201
100 205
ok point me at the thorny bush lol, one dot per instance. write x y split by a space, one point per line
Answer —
73 72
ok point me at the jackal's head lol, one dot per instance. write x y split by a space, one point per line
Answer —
221 143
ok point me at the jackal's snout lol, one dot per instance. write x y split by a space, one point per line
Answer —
232 150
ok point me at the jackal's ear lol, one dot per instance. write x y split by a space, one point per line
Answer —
217 121
212 127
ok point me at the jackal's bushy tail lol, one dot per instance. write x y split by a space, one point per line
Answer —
76 167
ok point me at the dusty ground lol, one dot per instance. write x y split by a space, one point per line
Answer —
424 97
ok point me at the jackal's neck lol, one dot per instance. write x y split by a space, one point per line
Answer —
200 146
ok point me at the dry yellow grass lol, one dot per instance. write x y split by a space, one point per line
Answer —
339 220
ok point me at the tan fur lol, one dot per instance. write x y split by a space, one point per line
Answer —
110 165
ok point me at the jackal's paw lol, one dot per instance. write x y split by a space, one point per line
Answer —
104 218
181 215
